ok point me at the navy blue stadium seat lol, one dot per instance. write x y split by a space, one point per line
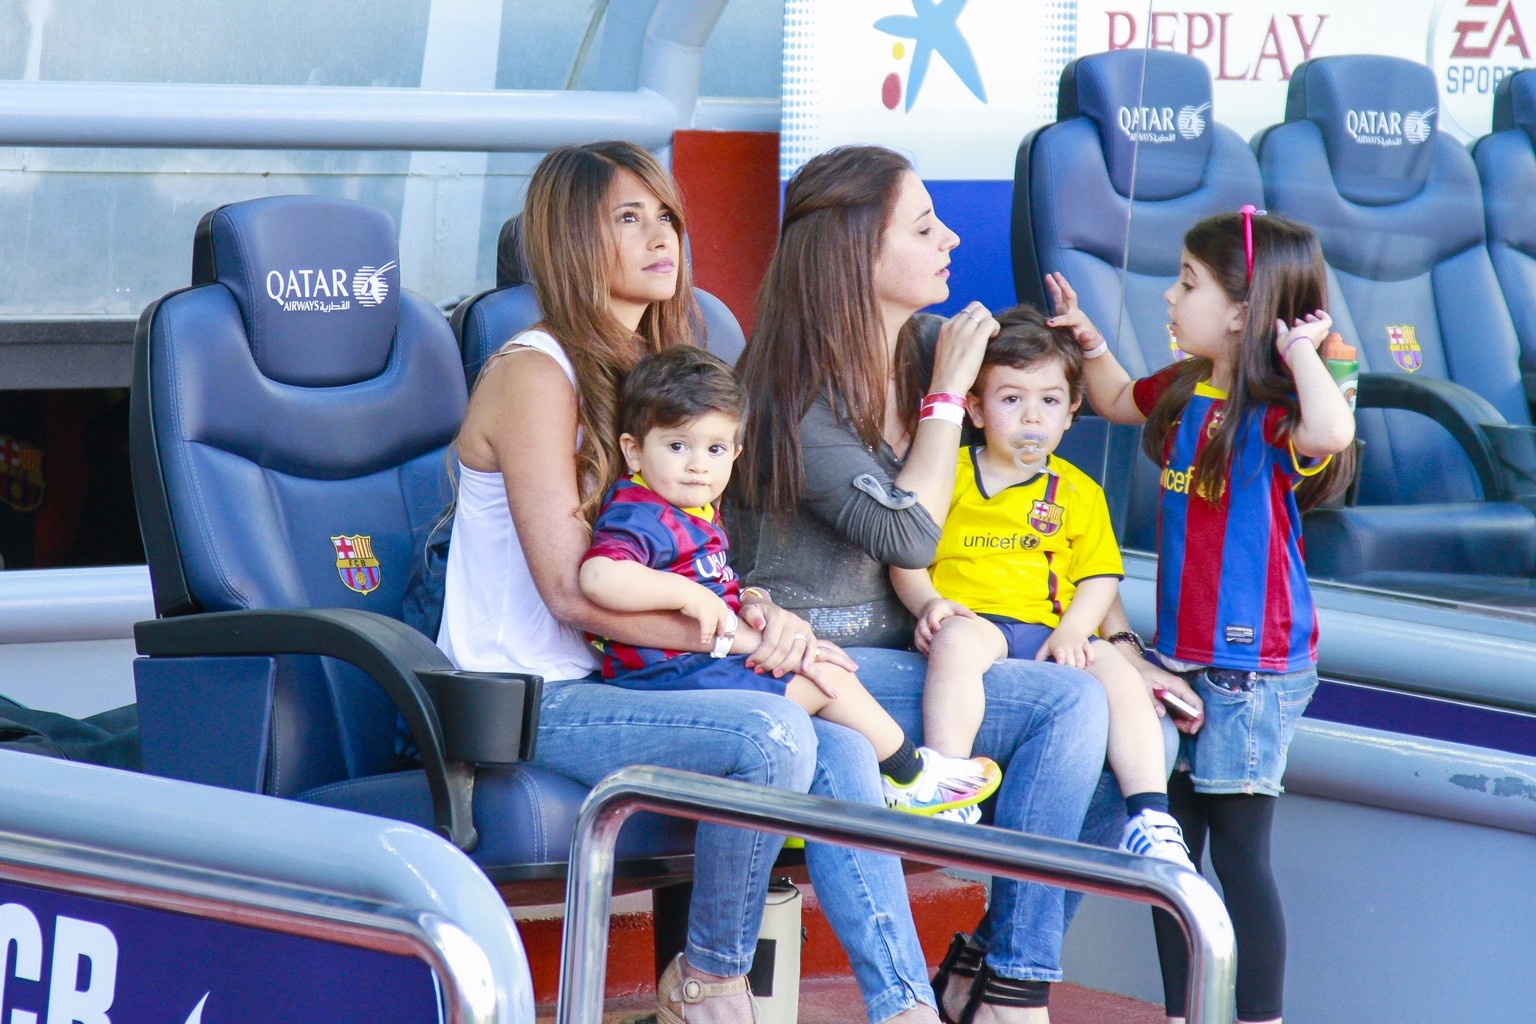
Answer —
1399 211
1506 165
486 321
1104 195
290 415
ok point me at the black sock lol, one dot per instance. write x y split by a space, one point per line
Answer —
904 765
1138 802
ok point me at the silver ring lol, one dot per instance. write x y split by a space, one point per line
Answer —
799 636
973 317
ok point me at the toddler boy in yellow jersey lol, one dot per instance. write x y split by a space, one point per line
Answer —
1028 567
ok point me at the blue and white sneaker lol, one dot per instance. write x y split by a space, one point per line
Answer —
1156 834
965 815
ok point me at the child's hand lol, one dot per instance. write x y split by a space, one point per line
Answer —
933 615
827 677
1070 314
1158 678
1314 327
713 614
1066 647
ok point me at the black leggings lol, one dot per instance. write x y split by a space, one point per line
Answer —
1239 829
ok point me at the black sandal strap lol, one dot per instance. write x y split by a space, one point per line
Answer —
963 960
991 989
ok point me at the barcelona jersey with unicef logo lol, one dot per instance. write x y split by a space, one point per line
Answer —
636 524
1021 553
1231 588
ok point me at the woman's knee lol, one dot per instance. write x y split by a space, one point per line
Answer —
776 746
1068 695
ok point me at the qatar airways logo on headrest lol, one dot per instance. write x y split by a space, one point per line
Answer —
1163 124
1390 127
328 290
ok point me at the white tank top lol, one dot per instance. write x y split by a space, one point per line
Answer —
493 617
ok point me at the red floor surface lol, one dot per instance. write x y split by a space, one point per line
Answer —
836 1001
941 905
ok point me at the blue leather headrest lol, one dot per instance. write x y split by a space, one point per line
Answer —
306 271
1514 104
1378 118
1153 112
510 269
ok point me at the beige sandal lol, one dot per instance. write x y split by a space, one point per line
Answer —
674 993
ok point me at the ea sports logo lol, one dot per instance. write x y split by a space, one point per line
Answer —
1473 44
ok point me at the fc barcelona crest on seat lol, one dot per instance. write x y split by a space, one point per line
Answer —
21 475
1403 340
355 563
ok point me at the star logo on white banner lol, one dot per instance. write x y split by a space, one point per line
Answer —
934 29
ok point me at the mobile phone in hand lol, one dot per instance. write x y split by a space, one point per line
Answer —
1178 705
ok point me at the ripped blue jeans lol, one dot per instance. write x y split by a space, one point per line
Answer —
587 730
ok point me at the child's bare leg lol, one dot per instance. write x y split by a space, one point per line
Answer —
853 706
1135 737
953 699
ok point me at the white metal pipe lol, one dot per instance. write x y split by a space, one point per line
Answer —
672 56
155 115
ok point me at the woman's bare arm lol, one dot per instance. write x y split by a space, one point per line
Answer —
522 424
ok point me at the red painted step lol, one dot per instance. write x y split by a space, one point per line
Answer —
941 906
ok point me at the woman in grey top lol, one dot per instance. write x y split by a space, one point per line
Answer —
845 479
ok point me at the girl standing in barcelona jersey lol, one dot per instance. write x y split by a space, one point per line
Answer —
1249 430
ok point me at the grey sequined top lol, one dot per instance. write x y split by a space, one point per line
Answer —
828 559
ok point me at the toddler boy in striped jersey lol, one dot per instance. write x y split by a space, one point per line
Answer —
1027 567
658 545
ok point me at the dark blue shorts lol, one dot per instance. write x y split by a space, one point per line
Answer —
1024 638
701 672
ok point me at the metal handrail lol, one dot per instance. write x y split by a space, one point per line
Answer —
589 888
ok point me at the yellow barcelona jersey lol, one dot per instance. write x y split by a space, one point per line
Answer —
1021 553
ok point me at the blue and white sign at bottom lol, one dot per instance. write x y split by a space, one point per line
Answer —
69 959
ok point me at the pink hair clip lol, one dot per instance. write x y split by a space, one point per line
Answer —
1248 211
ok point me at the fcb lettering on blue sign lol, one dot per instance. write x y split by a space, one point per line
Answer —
86 960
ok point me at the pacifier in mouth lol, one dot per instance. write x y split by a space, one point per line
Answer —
1028 446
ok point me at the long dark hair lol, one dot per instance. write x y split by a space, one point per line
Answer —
567 256
1289 281
819 332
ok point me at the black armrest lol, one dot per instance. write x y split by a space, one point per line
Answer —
476 707
1515 446
401 660
1460 411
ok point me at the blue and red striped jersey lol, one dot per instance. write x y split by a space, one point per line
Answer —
1231 587
638 525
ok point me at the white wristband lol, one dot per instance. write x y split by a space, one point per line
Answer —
1098 350
944 411
722 646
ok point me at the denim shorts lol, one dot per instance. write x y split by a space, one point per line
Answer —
1250 718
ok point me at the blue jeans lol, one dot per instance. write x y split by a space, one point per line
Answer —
587 730
1047 726
1105 820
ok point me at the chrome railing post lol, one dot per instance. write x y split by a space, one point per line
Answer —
1181 892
